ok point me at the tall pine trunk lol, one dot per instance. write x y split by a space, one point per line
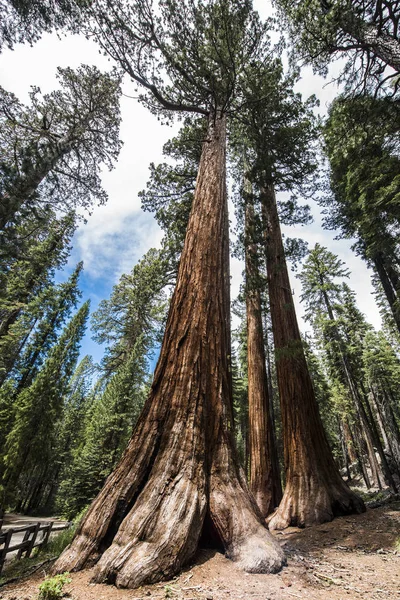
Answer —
388 286
315 491
265 481
359 398
180 478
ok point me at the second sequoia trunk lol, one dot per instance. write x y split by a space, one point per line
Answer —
315 491
179 478
264 467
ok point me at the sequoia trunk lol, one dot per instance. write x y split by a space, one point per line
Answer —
179 477
315 491
264 476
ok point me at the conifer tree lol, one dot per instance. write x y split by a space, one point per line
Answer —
26 277
26 20
29 444
366 33
331 307
64 298
361 141
180 464
280 135
53 150
265 480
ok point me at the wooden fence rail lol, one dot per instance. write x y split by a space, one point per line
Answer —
35 535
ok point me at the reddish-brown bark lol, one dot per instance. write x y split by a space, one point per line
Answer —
315 491
265 481
180 464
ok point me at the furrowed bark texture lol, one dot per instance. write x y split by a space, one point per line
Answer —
383 45
180 464
265 482
315 491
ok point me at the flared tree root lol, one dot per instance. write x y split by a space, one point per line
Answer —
308 503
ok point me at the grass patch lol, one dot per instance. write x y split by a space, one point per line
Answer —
52 587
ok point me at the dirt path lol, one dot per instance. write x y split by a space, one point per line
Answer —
352 557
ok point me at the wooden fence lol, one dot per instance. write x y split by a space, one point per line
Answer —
35 535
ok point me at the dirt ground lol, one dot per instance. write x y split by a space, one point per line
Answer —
351 557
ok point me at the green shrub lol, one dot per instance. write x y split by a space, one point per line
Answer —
52 587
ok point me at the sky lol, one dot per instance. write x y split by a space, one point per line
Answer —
117 235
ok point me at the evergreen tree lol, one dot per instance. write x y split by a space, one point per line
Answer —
53 150
280 134
361 141
59 306
186 57
30 443
331 308
130 322
366 33
382 369
109 423
26 277
21 360
26 20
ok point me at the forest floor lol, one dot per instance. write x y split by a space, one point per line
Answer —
351 557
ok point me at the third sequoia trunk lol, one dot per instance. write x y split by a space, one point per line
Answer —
179 477
315 491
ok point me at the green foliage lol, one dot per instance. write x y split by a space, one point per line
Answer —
170 189
130 322
185 56
26 20
29 445
52 587
53 150
361 141
364 33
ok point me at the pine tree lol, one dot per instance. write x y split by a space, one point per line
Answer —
26 20
29 444
332 309
361 141
53 150
382 368
28 276
366 33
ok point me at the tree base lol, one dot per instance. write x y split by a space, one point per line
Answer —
305 506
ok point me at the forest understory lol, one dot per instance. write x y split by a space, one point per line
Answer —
350 557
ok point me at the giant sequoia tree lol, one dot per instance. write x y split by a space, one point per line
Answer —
280 135
265 480
179 477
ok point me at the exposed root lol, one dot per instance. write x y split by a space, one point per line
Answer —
156 539
314 504
238 519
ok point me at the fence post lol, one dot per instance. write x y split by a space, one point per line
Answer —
47 535
32 541
3 552
26 538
